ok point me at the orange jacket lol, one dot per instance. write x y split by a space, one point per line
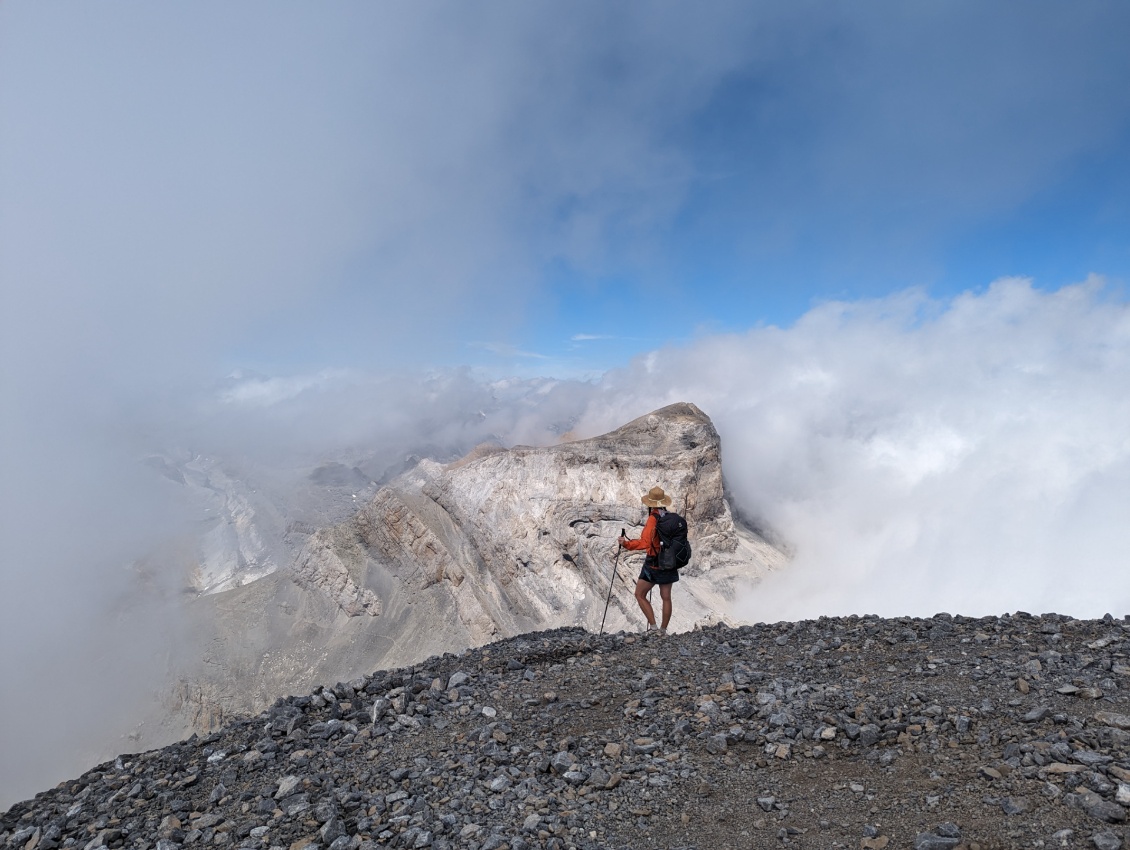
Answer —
649 539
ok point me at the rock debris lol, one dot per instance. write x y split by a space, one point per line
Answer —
860 732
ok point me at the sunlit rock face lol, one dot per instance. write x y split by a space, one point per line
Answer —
499 543
524 538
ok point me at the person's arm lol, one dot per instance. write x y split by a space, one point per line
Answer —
646 540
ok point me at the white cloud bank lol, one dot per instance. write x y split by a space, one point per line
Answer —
971 456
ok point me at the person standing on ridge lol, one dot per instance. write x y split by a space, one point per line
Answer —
648 542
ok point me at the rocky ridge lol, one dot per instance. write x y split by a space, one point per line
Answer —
521 538
446 556
860 732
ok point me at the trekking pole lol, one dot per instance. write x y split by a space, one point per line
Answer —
615 565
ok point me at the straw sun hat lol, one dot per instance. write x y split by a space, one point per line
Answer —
656 498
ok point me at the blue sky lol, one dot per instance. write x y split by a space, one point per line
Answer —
290 189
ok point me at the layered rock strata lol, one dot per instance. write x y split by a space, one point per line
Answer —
444 557
525 537
946 732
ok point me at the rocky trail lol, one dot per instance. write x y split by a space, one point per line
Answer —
854 732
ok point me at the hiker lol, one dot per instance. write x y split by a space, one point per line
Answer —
648 542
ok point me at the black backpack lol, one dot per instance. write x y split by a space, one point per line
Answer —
674 548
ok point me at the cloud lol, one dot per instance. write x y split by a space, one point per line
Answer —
503 349
264 392
590 337
967 455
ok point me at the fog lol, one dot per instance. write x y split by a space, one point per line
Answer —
281 236
919 456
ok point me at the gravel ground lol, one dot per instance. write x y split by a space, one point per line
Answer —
854 732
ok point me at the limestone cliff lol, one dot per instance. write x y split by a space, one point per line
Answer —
499 543
525 538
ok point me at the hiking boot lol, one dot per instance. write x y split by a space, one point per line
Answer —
652 630
662 632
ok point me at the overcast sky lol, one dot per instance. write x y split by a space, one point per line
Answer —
258 224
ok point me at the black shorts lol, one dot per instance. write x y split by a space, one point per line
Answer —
653 575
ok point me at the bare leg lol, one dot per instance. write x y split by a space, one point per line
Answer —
665 594
642 587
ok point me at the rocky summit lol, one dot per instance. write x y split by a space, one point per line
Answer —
855 732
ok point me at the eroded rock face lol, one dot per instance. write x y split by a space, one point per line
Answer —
525 538
499 543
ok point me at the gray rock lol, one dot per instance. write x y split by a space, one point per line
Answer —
599 778
380 707
1090 759
325 810
21 836
1096 806
1060 752
331 830
933 841
452 543
562 762
459 677
287 786
1103 810
1106 841
716 744
1036 714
